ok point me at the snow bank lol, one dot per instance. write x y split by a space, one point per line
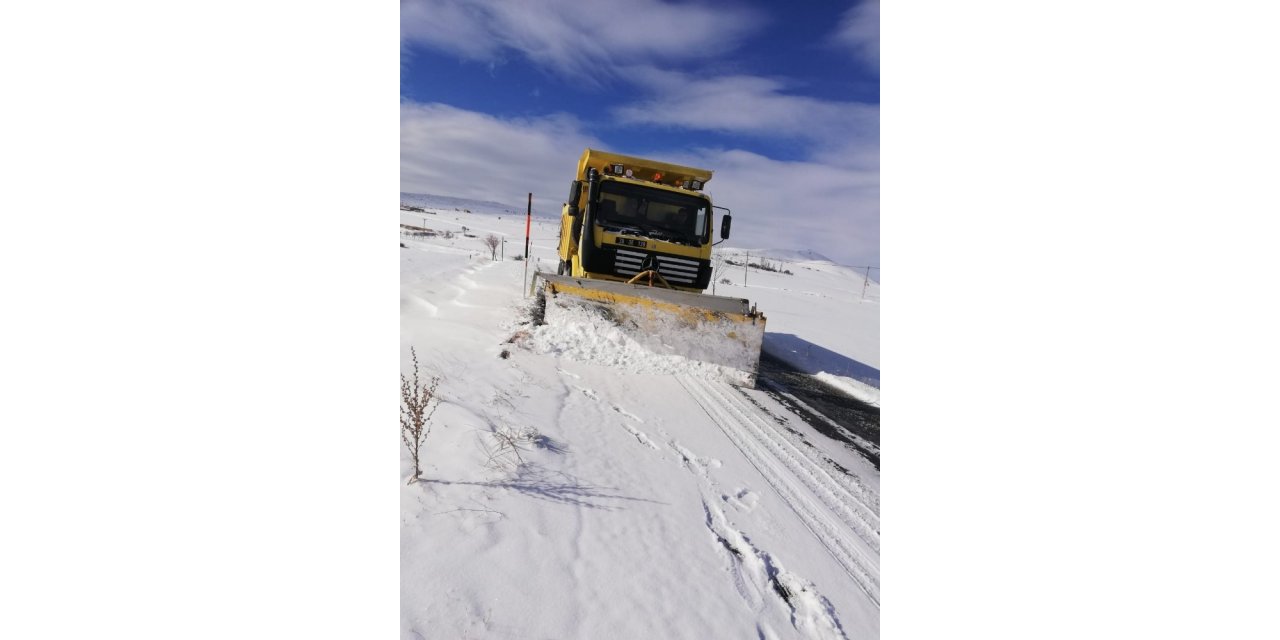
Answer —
859 390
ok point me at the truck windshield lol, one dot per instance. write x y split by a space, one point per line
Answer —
653 212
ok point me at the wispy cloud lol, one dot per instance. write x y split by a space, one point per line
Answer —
458 27
750 105
454 152
859 30
829 207
563 37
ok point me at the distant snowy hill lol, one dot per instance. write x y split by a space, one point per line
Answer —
449 203
431 200
791 254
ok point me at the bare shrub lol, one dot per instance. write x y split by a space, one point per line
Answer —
507 443
764 265
415 413
492 242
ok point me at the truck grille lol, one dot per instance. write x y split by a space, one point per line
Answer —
676 270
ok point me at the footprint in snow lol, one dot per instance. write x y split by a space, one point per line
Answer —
742 499
627 414
692 461
757 574
640 436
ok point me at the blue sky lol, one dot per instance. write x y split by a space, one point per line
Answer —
781 100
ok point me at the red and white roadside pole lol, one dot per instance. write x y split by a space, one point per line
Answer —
528 221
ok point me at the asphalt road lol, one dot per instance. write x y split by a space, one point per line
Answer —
834 414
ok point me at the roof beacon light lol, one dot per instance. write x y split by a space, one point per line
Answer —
657 177
628 174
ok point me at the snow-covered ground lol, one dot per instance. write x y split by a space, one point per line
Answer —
650 500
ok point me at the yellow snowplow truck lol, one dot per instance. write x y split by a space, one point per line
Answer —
635 245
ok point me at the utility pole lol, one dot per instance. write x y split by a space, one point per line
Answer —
744 269
866 279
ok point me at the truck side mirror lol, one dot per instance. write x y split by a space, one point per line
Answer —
575 191
725 223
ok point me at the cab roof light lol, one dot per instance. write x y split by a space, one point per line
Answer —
617 170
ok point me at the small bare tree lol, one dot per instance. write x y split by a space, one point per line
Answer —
492 242
415 412
720 261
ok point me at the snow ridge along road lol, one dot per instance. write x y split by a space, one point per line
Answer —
841 522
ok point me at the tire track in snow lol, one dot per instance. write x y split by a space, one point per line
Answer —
851 509
795 485
842 476
848 502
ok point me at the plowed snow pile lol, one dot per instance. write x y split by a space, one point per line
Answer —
580 332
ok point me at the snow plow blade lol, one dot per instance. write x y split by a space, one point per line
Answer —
726 332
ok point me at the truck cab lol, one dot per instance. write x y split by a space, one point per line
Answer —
626 215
